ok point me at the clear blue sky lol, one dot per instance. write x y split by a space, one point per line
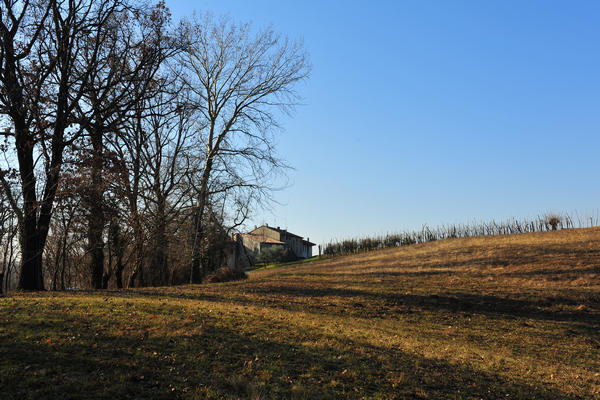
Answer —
434 111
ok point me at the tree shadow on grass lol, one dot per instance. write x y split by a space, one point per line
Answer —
357 302
451 302
444 269
221 362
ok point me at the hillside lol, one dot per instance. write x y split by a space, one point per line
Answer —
511 317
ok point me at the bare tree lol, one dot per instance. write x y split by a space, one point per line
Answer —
68 68
66 229
43 77
168 163
239 81
99 131
148 152
8 232
134 43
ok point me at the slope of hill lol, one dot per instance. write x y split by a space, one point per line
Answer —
511 317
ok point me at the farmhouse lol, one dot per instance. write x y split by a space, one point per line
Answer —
267 237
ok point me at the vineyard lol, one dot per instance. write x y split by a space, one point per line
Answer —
544 223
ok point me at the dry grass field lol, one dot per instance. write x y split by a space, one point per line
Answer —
507 317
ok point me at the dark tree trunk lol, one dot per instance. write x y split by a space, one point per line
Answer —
132 277
159 266
196 269
56 269
64 262
31 263
196 274
32 277
96 248
96 219
32 231
119 275
116 250
31 253
36 214
105 279
138 271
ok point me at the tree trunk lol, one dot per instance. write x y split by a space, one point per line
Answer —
96 248
138 271
64 260
96 211
36 214
56 268
119 275
196 267
32 277
31 261
31 254
158 261
159 266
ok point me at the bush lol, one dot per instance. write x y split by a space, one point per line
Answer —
226 274
553 220
270 254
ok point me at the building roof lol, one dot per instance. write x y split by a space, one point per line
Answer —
278 229
262 238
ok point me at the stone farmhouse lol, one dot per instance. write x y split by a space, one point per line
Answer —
267 237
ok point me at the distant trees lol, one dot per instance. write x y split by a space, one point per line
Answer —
129 148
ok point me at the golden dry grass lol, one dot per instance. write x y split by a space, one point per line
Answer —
484 318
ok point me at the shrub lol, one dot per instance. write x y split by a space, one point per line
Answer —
553 220
226 274
270 254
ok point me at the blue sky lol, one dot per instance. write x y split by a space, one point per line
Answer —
434 111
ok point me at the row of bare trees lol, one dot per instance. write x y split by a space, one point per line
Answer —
543 223
132 146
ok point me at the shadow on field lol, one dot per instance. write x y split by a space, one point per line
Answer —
218 361
454 302
446 269
359 302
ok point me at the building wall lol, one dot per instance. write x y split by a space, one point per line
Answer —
238 254
268 232
296 244
307 251
252 245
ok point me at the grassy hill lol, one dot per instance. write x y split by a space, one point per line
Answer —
509 317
